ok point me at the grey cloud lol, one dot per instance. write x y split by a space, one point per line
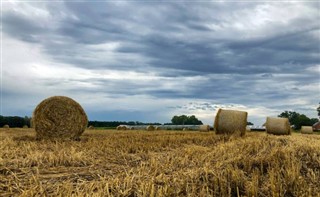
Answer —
22 28
175 37
177 40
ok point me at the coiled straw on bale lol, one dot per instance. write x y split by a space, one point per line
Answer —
306 130
278 126
59 117
150 128
204 128
230 121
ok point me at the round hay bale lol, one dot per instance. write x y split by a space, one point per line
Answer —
91 127
158 128
306 130
25 126
150 128
278 126
204 128
6 126
248 128
185 129
131 128
230 121
122 127
119 127
59 117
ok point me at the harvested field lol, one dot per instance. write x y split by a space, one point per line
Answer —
160 163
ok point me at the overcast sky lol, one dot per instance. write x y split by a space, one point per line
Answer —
147 61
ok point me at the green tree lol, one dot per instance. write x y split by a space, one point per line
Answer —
185 120
249 123
297 120
192 120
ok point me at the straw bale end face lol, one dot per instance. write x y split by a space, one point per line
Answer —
230 121
306 130
59 117
204 128
278 126
6 126
150 128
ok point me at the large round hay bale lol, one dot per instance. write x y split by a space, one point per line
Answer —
119 127
157 128
6 126
25 126
59 117
306 130
230 121
278 126
91 127
204 128
150 128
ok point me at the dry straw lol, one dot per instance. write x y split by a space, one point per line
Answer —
150 128
6 126
306 130
230 121
278 126
204 128
59 117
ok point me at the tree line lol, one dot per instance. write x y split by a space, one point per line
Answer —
296 120
15 121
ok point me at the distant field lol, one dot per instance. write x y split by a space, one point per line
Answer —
162 163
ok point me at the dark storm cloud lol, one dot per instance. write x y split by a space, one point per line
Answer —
21 28
168 35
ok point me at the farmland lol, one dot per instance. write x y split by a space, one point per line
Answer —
159 163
